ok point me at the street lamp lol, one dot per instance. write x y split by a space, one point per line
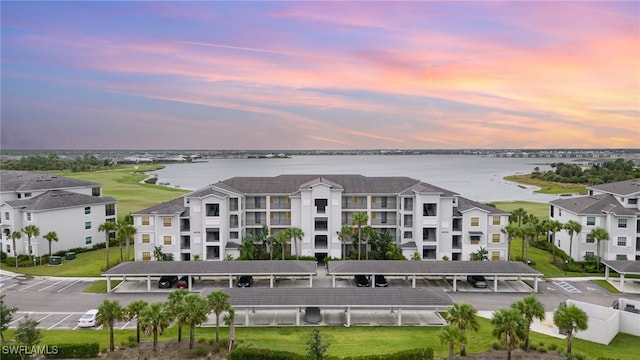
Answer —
566 265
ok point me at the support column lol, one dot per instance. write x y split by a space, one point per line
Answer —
621 282
310 280
333 281
399 316
298 316
246 317
606 273
189 282
230 281
108 283
271 281
495 283
348 316
413 281
148 283
455 282
535 283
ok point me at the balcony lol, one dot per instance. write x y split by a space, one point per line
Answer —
384 219
360 205
384 203
280 221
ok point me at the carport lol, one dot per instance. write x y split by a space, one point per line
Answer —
397 299
270 268
622 267
454 269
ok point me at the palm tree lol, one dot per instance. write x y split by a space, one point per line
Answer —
530 308
570 318
51 236
518 217
248 248
463 317
154 319
109 312
108 227
509 328
359 220
218 302
194 311
599 234
345 233
15 236
553 226
370 235
512 230
282 237
528 232
133 311
572 227
295 234
174 303
229 320
452 336
30 231
125 231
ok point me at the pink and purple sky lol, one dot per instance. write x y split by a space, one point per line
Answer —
320 75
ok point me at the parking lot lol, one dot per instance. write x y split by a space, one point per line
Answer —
61 320
31 284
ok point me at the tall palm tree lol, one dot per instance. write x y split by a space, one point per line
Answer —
528 233
174 303
15 236
345 233
512 230
599 234
109 312
51 236
218 302
194 311
360 219
295 234
282 237
125 232
229 320
133 311
370 235
463 316
553 226
570 318
154 319
509 328
530 308
30 231
108 227
452 336
572 227
517 216
248 249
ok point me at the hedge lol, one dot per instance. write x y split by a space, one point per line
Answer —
266 354
75 351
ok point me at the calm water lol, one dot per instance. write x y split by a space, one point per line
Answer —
475 177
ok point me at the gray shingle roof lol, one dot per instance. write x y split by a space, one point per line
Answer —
172 207
623 267
59 199
465 204
398 267
245 267
593 205
22 181
625 188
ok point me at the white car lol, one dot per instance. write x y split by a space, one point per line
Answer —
88 319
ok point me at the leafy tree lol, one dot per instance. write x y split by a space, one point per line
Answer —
229 320
512 230
369 234
509 326
133 311
598 234
124 232
529 232
452 336
316 346
481 255
15 236
174 304
27 332
154 319
360 219
6 315
31 231
295 234
530 308
518 217
573 228
51 236
218 302
108 227
463 317
553 226
282 237
109 312
194 311
570 318
345 233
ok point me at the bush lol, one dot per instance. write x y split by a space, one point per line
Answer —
542 349
77 351
415 354
263 354
580 356
496 345
533 347
553 346
197 352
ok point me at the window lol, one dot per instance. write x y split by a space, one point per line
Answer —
27 195
213 235
146 238
384 202
28 216
591 220
87 225
321 224
429 209
589 254
233 235
622 223
495 238
321 205
495 255
589 239
475 221
87 240
213 209
6 215
383 218
233 204
167 240
621 257
95 191
8 249
475 239
622 241
633 201
87 210
110 209
496 220
145 220
408 234
166 221
146 255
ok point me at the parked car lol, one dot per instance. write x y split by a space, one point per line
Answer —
477 281
312 315
88 319
361 281
245 281
183 282
380 281
166 282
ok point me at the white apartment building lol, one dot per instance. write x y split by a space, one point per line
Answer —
612 206
74 209
212 222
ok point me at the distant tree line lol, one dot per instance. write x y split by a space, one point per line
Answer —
52 162
611 171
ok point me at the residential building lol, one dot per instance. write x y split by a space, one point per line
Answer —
612 206
210 223
73 208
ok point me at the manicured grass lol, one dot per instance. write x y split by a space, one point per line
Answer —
548 187
124 185
100 286
605 284
540 210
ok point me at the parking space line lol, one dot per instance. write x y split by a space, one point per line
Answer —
54 284
125 325
64 288
8 287
46 316
32 285
58 323
18 319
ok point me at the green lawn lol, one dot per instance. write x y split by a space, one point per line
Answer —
540 210
548 187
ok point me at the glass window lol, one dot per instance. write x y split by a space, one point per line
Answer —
6 215
87 240
167 239
8 249
87 225
110 209
475 221
166 221
589 239
87 210
496 220
146 255
633 201
495 238
146 238
28 216
495 255
591 220
622 223
213 209
622 241
145 220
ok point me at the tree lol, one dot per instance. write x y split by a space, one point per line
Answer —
295 234
27 332
345 233
229 320
572 227
528 232
463 317
518 217
570 318
194 311
509 328
154 319
174 303
359 220
6 315
109 312
370 235
282 237
316 346
15 236
530 308
133 311
481 255
248 249
598 234
553 226
51 236
30 231
452 336
218 302
512 230
108 227
125 231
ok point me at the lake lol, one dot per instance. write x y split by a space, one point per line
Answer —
478 178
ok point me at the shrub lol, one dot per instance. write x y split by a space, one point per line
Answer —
263 354
533 347
580 356
542 349
553 346
76 351
496 345
196 352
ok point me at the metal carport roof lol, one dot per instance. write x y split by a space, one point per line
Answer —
245 267
622 267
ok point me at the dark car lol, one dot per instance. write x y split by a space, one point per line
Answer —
183 282
477 281
166 282
245 281
312 315
361 281
380 281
